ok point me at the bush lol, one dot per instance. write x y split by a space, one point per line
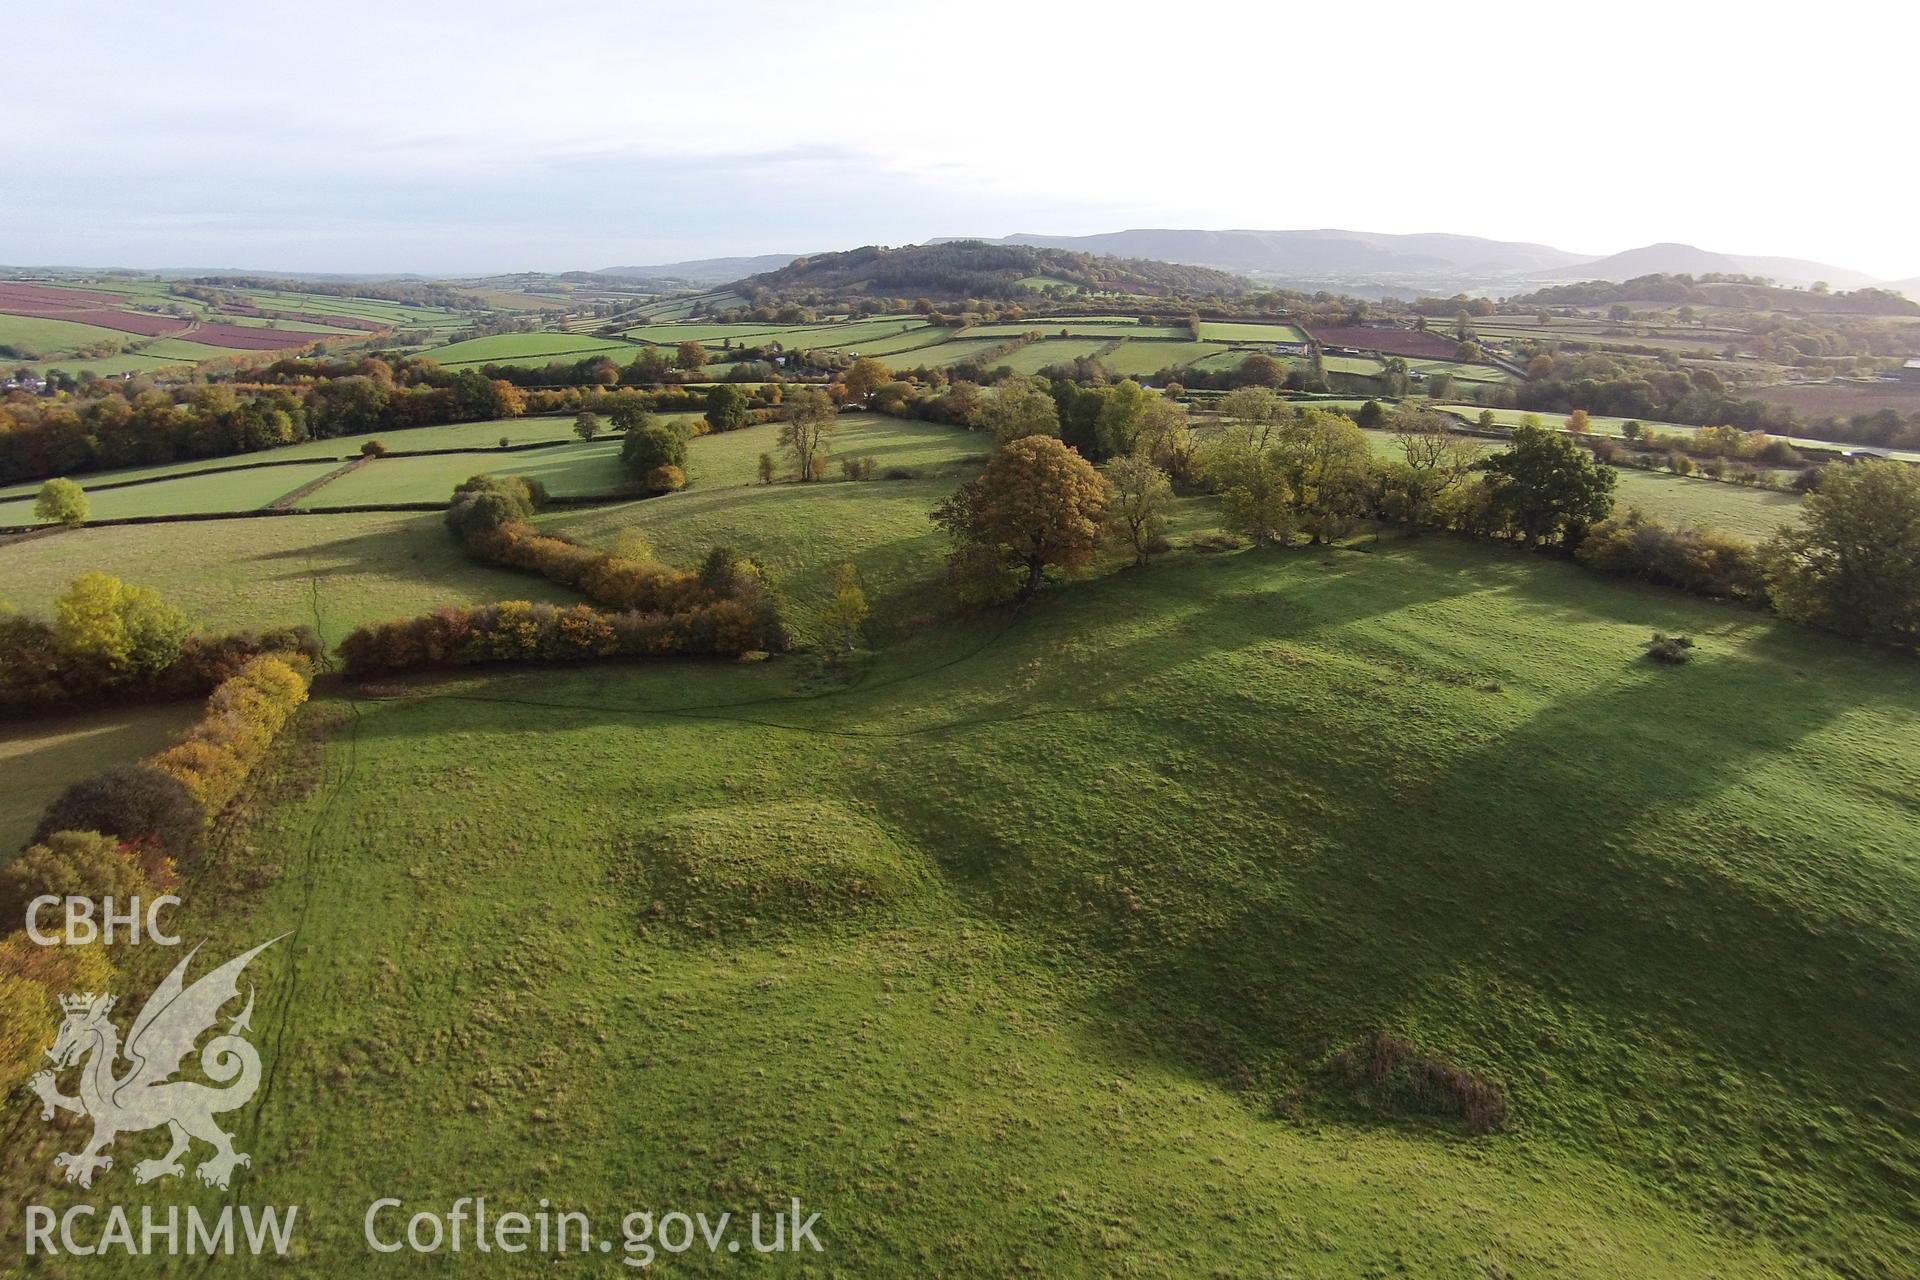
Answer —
373 449
1395 1075
1702 561
137 804
31 979
650 447
76 864
861 468
666 480
213 759
1673 650
482 504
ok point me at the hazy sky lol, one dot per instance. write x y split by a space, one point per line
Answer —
479 136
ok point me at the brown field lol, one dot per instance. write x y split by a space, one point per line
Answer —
1394 342
1840 399
241 337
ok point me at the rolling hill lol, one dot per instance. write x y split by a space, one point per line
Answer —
956 270
1686 259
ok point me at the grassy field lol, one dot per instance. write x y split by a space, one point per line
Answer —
527 348
1142 359
246 490
39 758
1228 331
566 469
1036 356
37 338
1023 950
334 572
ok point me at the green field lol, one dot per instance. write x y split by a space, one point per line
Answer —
1228 331
39 758
1018 953
43 338
245 490
1036 356
1142 359
527 348
274 570
566 469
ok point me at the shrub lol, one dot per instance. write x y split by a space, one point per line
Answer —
1673 650
861 468
482 504
77 864
666 479
32 978
62 502
650 447
1702 561
137 804
213 759
373 449
1395 1075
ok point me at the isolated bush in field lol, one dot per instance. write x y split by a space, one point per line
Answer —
76 864
127 631
482 504
1702 561
861 468
373 449
1672 650
136 804
62 502
1395 1075
768 468
666 480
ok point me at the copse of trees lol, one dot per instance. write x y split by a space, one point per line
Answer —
655 454
1548 488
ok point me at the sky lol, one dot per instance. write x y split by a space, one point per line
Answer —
462 138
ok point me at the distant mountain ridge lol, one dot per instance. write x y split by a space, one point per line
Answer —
703 270
1424 262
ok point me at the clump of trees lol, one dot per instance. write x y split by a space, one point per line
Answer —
110 638
1852 563
655 454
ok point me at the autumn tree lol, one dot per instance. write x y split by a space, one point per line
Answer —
1578 423
654 455
811 417
863 377
1141 492
1328 465
61 502
846 609
1037 504
586 424
1165 440
1256 412
691 356
128 630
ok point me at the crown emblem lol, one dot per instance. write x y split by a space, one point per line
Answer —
86 1003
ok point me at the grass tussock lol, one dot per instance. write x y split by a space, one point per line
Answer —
1397 1076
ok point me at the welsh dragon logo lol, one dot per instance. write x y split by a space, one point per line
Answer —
144 1095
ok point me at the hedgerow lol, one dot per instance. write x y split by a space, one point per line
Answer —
244 715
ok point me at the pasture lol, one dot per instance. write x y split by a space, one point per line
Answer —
1015 946
526 348
244 490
